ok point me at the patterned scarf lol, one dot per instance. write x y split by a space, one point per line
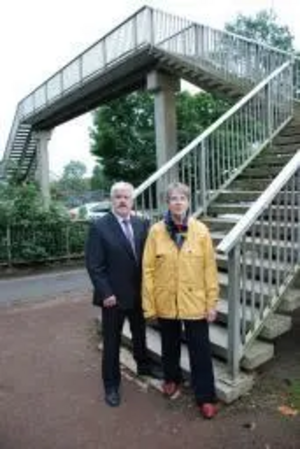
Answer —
177 232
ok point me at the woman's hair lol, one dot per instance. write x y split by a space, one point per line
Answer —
179 187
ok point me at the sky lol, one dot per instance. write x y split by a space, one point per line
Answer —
37 38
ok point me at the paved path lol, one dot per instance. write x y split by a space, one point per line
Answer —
51 395
43 286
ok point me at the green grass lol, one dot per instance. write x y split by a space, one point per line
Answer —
294 394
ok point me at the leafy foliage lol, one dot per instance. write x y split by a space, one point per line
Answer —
123 133
73 180
29 233
264 28
98 180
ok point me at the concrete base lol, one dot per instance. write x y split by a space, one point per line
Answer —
290 301
275 326
257 354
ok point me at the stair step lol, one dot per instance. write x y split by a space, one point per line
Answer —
287 139
250 184
290 149
291 130
258 353
278 211
275 325
227 390
253 268
261 172
272 160
290 300
220 224
256 291
237 196
271 229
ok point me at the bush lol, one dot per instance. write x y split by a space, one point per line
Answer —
30 233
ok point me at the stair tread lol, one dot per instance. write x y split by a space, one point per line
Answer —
226 390
219 340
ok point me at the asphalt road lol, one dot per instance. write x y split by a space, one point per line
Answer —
43 286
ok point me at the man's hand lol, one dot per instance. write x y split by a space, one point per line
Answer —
211 315
111 301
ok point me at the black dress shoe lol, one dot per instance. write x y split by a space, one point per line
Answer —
112 397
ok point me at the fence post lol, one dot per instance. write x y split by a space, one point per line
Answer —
8 246
68 243
196 48
234 318
269 111
203 177
297 174
151 26
135 31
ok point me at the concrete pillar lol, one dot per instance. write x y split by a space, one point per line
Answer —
164 88
42 172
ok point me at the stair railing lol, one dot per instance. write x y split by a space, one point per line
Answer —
230 56
212 160
263 252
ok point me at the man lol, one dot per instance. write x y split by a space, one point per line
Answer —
113 258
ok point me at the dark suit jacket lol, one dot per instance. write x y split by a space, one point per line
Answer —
111 264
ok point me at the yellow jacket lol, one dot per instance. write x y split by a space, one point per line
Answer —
179 283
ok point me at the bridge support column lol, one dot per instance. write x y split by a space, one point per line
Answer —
42 172
164 88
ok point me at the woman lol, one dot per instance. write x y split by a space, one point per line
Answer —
180 285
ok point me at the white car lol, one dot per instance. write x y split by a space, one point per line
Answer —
90 211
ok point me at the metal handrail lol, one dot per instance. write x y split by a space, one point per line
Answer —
265 199
181 154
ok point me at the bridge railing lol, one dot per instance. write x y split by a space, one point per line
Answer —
146 27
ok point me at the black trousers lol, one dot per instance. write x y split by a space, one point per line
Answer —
112 324
197 338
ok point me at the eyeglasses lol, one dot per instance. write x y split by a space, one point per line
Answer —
177 199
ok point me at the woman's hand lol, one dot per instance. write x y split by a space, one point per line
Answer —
211 315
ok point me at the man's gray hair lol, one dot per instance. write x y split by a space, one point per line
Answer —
180 187
121 185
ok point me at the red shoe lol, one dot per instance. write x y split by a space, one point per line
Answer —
171 389
208 410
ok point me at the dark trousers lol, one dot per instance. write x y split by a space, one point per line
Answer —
112 324
197 338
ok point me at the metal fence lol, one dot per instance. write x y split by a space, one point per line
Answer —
29 243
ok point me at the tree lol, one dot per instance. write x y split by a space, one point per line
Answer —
123 132
264 28
122 137
73 181
98 180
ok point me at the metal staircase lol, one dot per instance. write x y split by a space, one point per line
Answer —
243 171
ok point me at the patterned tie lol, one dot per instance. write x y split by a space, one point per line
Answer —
129 235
